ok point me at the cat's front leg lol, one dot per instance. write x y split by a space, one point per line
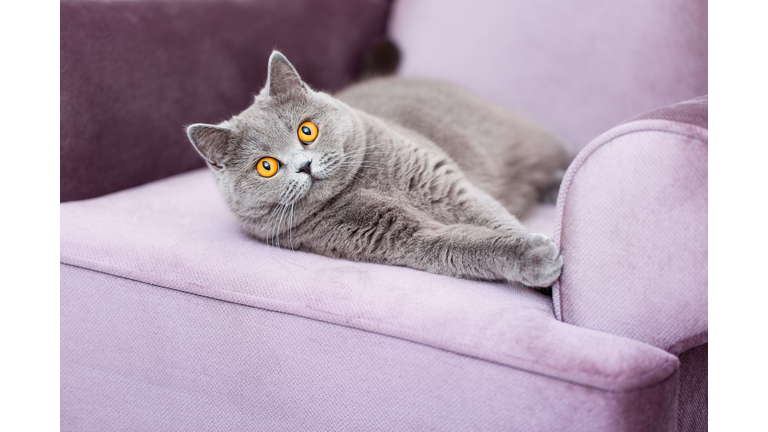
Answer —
540 262
477 252
378 229
536 260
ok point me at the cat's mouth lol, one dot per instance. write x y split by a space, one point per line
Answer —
314 187
306 186
311 180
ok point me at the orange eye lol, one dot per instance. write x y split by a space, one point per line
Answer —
267 167
307 132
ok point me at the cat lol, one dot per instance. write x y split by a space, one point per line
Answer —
390 170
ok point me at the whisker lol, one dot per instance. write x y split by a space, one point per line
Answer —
356 172
280 223
290 227
275 228
368 147
377 152
349 156
367 161
370 161
270 229
365 148
364 166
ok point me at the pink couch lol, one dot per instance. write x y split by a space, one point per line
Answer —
173 319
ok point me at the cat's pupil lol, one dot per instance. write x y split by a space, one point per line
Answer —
266 166
305 130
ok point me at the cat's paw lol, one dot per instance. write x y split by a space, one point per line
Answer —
540 262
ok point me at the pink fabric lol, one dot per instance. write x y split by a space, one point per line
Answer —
694 111
632 230
137 357
576 67
542 219
177 233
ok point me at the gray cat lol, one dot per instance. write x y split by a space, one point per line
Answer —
394 171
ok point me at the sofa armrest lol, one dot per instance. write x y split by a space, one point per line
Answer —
632 229
135 73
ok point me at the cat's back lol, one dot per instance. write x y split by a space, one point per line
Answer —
495 148
388 96
465 127
422 105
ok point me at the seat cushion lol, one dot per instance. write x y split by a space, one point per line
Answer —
176 233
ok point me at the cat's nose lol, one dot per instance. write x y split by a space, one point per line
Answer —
306 167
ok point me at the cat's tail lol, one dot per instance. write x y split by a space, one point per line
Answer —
380 59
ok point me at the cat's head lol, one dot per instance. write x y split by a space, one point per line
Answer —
292 145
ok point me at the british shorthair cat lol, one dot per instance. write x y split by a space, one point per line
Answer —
391 170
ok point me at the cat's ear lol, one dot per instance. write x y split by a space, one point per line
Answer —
282 77
212 142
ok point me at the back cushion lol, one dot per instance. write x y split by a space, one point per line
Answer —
134 73
577 67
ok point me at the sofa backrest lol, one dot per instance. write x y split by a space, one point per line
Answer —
135 73
577 67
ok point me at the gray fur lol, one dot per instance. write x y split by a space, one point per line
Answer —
403 172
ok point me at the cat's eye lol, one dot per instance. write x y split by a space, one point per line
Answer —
267 167
307 132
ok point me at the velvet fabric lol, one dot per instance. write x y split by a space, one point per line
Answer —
639 187
177 233
173 319
632 229
136 356
578 68
692 413
642 187
134 73
694 112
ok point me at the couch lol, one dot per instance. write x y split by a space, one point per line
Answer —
173 319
